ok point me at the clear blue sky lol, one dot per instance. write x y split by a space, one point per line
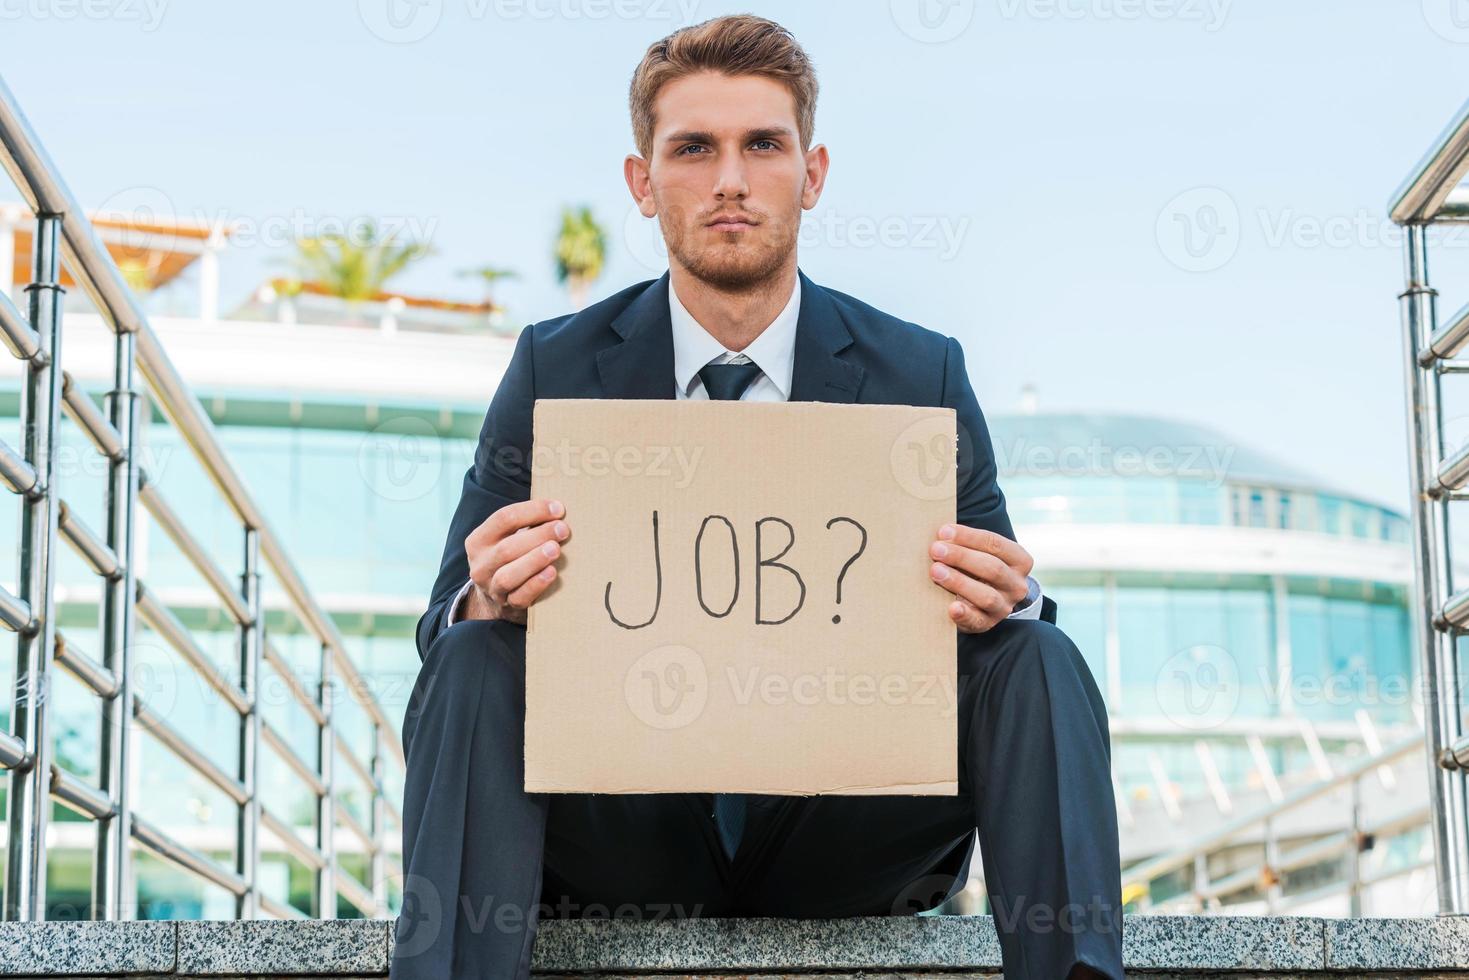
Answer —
1010 176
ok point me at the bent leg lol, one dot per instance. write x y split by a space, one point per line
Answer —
472 837
478 851
1035 744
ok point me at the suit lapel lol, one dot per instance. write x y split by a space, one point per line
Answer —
641 366
819 375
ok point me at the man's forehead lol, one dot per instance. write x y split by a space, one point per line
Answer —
702 103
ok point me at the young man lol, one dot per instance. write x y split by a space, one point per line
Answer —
723 116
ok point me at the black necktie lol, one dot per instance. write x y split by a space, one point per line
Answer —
727 382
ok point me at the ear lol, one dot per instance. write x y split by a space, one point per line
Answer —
640 183
818 161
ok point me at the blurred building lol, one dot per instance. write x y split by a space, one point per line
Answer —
1245 621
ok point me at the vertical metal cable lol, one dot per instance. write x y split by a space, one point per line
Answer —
326 814
112 887
377 826
30 799
247 840
1436 647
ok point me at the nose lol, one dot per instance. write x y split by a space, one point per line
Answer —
729 182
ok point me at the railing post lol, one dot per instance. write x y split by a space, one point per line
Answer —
1272 864
112 886
1354 881
30 796
326 814
247 849
1201 879
377 828
1436 647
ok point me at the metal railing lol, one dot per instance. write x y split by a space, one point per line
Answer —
1433 195
64 236
1265 876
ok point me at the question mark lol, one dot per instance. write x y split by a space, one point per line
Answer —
842 574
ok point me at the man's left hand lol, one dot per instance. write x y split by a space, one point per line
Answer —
985 571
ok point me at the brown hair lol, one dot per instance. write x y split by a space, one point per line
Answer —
739 44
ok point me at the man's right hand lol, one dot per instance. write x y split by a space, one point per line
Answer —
512 559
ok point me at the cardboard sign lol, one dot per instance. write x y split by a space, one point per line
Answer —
743 604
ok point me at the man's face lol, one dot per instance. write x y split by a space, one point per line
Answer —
727 147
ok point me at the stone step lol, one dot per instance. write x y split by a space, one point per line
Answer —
913 947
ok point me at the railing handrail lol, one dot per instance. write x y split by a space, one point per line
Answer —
1427 189
92 267
1184 855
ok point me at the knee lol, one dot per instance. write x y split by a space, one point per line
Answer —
1025 659
468 661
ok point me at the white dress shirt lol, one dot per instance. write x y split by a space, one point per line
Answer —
774 350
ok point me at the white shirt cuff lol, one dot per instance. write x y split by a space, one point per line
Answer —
452 616
1032 600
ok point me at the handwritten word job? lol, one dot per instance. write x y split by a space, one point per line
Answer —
765 527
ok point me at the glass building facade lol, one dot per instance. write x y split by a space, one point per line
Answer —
1197 649
363 492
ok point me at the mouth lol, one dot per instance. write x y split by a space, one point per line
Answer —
730 223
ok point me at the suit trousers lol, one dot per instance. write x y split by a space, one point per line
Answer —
484 861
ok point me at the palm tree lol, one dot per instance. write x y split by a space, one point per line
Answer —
490 275
580 250
355 267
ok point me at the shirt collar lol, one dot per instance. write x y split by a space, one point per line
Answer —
774 350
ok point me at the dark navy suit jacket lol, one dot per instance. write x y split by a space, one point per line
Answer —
622 347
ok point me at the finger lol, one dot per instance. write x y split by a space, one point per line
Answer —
512 517
981 595
998 545
525 540
983 566
512 575
528 593
969 619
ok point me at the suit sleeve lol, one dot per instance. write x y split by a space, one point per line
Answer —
499 475
981 502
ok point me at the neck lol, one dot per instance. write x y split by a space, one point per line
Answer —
734 319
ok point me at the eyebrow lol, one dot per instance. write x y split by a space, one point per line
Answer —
701 136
